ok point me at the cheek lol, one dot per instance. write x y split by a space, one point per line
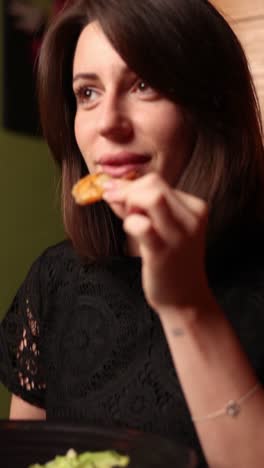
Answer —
83 139
174 142
79 131
165 123
177 132
168 132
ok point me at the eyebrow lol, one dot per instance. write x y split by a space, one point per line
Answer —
93 76
89 76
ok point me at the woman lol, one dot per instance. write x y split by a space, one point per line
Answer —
150 316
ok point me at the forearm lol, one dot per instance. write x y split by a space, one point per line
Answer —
213 370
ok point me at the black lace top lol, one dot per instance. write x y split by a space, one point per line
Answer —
81 341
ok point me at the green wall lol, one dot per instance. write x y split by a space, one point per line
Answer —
29 206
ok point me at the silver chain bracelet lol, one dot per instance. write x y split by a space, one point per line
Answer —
232 408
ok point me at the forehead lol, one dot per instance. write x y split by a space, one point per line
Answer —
94 51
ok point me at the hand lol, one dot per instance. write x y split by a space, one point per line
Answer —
170 228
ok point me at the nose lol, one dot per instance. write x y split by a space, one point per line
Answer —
114 120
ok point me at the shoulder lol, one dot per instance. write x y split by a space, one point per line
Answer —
62 249
57 254
54 262
57 259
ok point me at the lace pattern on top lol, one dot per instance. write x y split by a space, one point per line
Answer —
20 356
103 349
28 353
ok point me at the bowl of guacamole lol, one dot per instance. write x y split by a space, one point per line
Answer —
102 459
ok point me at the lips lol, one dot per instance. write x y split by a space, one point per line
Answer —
117 165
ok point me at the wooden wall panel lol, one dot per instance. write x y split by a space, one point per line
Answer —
238 9
251 34
247 19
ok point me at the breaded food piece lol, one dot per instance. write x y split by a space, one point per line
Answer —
89 189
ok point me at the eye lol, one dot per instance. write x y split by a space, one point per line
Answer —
142 86
145 90
86 95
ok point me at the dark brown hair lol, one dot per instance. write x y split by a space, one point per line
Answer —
186 50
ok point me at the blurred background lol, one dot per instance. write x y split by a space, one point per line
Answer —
246 17
29 196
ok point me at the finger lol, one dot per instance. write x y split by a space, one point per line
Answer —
195 204
118 189
115 186
168 215
119 209
113 196
172 212
139 226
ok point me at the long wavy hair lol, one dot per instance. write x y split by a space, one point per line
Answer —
186 50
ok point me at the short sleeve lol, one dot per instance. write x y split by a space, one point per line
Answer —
21 369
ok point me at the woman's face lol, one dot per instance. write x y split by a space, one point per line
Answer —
121 123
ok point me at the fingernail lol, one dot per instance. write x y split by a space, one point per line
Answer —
109 184
110 195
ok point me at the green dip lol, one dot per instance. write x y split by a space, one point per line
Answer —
106 459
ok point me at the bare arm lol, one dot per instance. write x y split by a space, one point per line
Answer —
20 409
168 228
214 370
